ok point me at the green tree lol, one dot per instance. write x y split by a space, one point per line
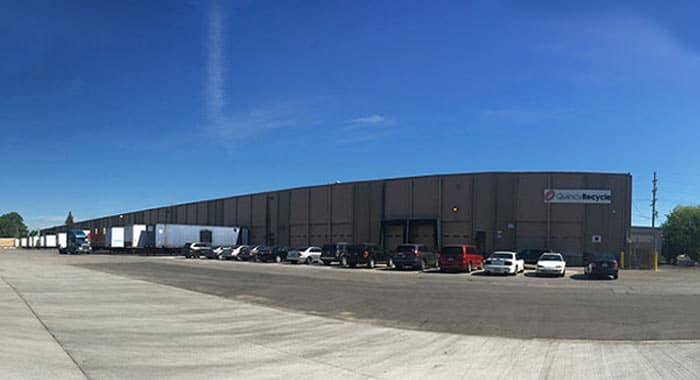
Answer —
12 225
69 219
682 232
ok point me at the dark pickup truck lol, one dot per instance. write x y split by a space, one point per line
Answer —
416 256
600 265
333 252
364 254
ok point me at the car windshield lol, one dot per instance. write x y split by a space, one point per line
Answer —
551 258
405 248
502 256
451 251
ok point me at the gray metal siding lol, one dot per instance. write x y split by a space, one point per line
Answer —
509 207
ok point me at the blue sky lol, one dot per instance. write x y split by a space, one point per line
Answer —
110 106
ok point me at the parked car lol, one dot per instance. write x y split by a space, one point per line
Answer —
684 260
415 256
220 251
551 263
531 256
248 253
333 252
307 255
272 254
365 254
460 258
235 252
601 265
504 262
195 250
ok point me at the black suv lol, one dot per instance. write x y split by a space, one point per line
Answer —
270 254
364 254
333 252
531 256
415 256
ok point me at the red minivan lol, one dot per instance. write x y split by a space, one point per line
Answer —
459 258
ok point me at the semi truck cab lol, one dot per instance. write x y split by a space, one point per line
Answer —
76 242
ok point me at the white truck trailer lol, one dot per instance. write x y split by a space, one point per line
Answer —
114 237
50 241
62 240
135 236
175 236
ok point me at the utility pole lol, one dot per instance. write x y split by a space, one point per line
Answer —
654 213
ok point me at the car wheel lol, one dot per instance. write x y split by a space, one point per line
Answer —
344 262
309 260
563 274
615 276
422 265
370 264
326 262
469 267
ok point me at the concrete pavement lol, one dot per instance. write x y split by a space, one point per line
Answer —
120 327
27 349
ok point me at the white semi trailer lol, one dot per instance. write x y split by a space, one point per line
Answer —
114 237
50 241
171 236
62 240
135 236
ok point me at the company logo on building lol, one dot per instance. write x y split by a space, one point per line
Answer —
588 196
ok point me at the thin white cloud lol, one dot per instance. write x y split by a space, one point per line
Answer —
215 67
371 120
364 129
241 126
230 128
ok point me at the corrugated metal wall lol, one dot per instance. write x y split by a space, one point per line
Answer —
507 209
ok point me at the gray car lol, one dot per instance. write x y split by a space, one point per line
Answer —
415 256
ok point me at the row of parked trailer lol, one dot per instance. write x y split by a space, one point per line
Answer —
151 237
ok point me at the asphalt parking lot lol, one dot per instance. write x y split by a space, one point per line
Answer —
641 305
92 317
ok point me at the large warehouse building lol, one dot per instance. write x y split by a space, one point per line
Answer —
569 212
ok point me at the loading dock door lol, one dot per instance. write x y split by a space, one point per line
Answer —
422 233
393 236
400 231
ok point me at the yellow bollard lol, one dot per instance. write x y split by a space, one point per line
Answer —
656 262
622 260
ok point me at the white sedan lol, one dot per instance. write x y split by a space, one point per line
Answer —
306 255
551 264
504 262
